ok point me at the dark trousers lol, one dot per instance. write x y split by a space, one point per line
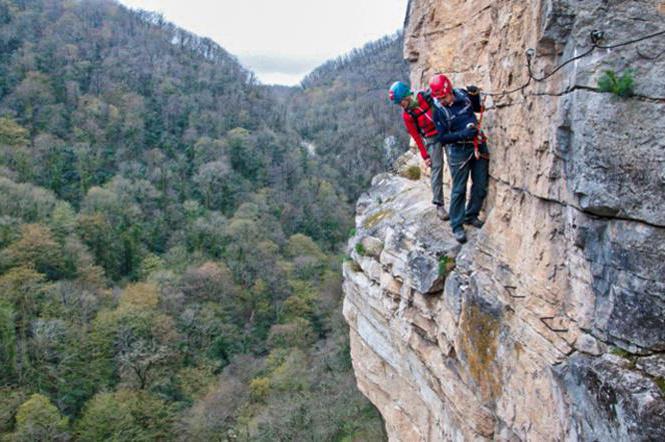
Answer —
460 169
435 152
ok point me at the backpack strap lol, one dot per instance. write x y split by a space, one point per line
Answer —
462 94
420 111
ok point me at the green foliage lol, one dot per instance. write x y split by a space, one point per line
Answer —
355 267
7 343
134 342
343 110
10 400
36 248
149 264
299 305
366 425
302 245
661 384
298 333
621 352
621 85
39 420
24 289
11 133
259 388
412 173
194 382
161 230
62 222
360 249
446 265
24 201
125 415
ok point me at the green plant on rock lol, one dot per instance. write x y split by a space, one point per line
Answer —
661 384
376 217
360 249
620 352
621 85
630 357
446 265
355 267
411 173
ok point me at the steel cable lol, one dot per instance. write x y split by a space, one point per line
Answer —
596 36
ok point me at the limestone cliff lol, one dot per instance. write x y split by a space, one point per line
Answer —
550 323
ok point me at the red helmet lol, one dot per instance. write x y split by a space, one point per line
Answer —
440 86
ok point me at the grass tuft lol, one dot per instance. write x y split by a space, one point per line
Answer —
411 173
446 265
620 85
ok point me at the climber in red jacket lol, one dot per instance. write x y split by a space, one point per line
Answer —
419 123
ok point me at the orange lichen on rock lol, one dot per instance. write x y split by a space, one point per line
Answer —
478 342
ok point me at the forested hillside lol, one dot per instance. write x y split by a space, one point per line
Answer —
345 113
169 246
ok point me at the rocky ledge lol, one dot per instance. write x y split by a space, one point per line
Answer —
549 324
449 345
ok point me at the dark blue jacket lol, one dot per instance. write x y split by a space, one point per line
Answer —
457 122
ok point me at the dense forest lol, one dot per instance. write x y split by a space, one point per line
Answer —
344 112
172 231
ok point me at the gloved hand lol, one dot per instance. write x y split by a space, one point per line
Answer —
473 90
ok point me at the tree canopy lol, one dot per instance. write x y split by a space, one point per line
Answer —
171 231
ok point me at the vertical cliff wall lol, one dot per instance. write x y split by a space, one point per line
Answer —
550 324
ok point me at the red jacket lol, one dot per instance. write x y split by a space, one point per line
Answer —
425 126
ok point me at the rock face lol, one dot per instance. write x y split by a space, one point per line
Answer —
550 324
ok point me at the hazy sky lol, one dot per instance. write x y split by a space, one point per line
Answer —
282 40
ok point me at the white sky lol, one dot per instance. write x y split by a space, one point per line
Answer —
282 40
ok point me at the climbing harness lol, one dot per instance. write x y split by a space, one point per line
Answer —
480 136
478 139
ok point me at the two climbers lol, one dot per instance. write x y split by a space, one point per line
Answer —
456 127
419 121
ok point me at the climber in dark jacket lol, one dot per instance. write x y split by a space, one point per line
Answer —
457 125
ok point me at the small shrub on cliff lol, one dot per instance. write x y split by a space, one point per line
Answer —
632 359
620 352
446 265
661 384
411 173
354 266
623 85
360 249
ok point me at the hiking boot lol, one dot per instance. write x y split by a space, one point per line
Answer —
475 222
459 235
442 213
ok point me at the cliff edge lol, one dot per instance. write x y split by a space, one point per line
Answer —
549 324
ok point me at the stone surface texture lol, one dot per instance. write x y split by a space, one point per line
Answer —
549 324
